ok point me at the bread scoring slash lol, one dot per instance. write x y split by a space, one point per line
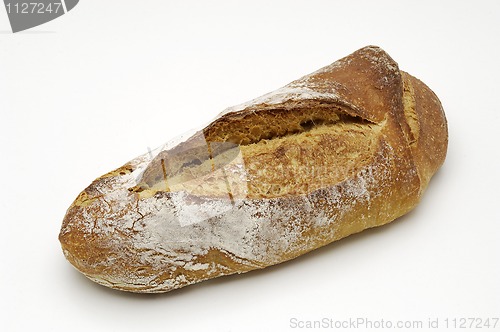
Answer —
346 148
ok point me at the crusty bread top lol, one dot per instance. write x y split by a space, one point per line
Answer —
340 108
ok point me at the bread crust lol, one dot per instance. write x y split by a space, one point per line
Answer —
376 134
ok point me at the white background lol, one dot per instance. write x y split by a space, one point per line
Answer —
94 88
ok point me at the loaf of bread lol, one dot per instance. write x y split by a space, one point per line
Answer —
346 148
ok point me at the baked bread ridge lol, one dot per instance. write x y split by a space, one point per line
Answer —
132 239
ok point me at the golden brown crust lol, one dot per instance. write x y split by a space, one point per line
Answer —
349 147
429 150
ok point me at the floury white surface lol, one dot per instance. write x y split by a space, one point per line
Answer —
88 91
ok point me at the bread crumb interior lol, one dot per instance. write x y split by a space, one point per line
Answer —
297 152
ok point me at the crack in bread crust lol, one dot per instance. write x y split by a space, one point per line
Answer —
296 146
